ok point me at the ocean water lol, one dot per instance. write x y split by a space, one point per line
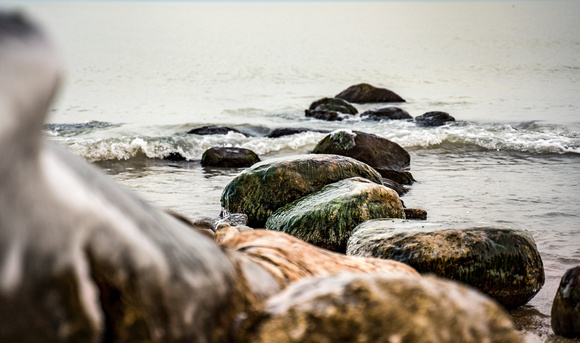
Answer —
138 76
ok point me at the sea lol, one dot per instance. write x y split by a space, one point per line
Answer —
138 75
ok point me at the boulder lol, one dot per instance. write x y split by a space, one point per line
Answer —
333 104
327 115
364 94
350 307
386 113
269 185
214 130
287 131
402 177
289 259
397 187
434 118
566 307
502 262
415 213
226 157
373 150
326 218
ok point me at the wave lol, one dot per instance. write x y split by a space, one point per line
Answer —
67 130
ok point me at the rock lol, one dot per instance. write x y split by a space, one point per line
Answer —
373 150
289 259
566 307
402 177
378 308
502 262
434 118
397 187
229 157
364 94
287 131
415 213
269 185
334 105
326 115
386 113
214 130
326 218
175 156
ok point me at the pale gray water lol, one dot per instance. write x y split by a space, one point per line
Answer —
509 71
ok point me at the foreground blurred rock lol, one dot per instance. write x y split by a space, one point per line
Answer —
502 262
378 308
566 307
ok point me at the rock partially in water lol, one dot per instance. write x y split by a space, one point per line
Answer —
502 262
435 118
289 259
269 185
326 115
334 105
326 218
386 113
226 157
402 177
566 307
415 213
364 94
377 152
215 130
379 308
287 131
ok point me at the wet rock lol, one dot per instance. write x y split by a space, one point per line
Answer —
402 177
566 307
269 185
327 115
502 262
364 93
386 113
415 213
397 187
229 157
289 259
378 308
175 156
334 105
287 131
434 118
214 130
326 218
373 150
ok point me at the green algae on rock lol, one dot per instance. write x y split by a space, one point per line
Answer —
379 308
326 218
269 185
502 262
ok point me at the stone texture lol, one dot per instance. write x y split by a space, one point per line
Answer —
226 157
566 307
364 93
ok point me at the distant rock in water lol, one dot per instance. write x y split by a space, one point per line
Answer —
174 156
333 104
229 157
214 130
504 263
376 307
378 152
434 118
566 307
386 113
287 131
364 94
269 185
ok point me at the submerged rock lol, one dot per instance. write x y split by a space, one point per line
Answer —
566 307
326 218
386 113
289 259
287 131
269 185
378 308
502 262
229 157
364 93
373 150
434 118
214 130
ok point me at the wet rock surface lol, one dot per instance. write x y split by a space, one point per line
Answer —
435 118
378 308
326 218
386 113
364 93
502 262
566 306
333 104
226 157
287 131
378 152
269 185
214 130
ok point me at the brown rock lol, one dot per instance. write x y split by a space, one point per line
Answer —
364 93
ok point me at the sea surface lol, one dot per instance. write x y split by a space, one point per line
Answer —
139 75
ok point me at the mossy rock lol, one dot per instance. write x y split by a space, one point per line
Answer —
566 307
502 262
326 218
226 157
364 93
269 185
350 307
378 152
